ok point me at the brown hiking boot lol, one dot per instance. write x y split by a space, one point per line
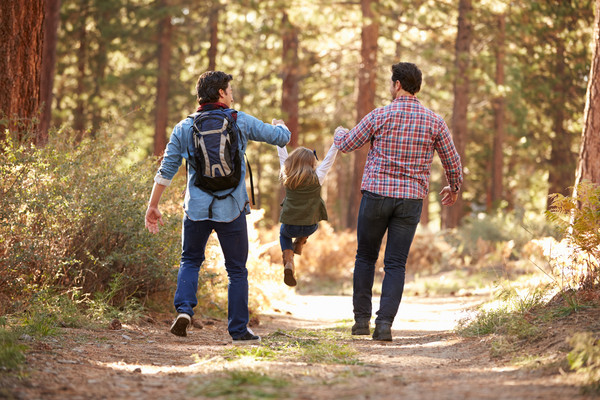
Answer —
298 244
383 332
288 268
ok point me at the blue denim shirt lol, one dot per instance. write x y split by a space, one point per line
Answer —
196 201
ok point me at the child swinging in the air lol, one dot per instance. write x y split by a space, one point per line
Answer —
303 206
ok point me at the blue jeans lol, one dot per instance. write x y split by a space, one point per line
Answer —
288 232
233 238
378 214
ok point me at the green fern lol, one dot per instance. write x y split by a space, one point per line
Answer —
579 219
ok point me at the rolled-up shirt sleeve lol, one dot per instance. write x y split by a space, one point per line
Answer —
172 158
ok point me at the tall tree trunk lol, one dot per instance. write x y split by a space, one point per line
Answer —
213 24
562 159
21 35
290 75
367 84
588 168
162 86
343 165
51 23
79 120
98 69
451 216
499 105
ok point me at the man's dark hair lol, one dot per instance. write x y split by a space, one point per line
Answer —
409 76
209 84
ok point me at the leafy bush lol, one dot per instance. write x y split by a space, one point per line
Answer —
431 253
584 359
327 255
73 217
504 234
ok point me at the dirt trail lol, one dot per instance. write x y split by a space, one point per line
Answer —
425 360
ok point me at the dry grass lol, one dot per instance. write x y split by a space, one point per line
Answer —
430 253
329 255
562 261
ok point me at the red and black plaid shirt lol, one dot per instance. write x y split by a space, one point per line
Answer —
403 138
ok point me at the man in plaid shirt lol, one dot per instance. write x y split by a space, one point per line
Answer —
403 137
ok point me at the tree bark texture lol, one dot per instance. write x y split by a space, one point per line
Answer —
290 74
21 41
499 105
213 24
98 66
51 23
367 84
588 168
162 85
79 119
451 216
562 159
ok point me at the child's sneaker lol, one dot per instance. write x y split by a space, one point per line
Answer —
181 324
248 338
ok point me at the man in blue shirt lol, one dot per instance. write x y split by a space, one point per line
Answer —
228 217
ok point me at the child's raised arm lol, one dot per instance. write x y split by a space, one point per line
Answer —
324 167
283 155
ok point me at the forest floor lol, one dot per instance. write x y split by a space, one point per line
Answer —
307 353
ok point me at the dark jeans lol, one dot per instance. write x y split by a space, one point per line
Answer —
288 232
233 237
378 214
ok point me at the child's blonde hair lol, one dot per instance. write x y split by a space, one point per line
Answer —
299 168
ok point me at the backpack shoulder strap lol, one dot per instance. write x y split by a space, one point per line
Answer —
194 117
251 180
